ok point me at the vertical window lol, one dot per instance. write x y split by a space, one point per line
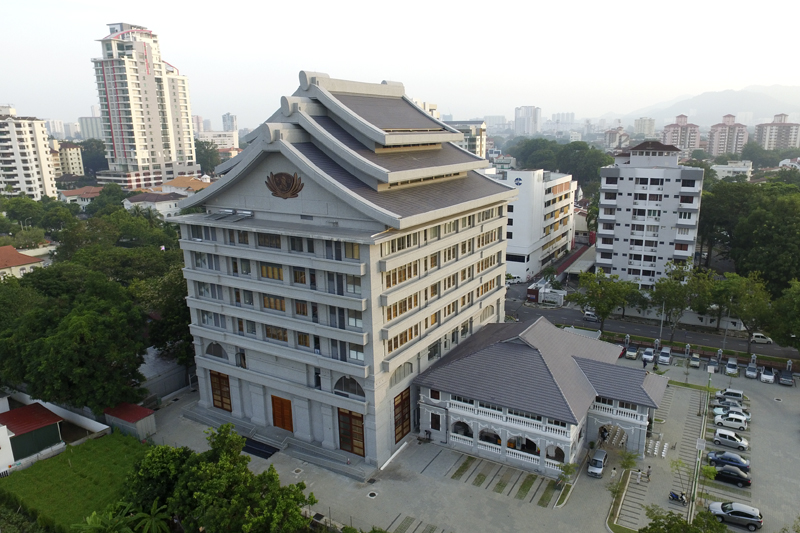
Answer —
436 422
296 244
303 339
269 240
354 318
354 284
272 271
299 275
356 351
301 308
351 250
243 237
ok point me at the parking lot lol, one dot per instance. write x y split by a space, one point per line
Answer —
773 433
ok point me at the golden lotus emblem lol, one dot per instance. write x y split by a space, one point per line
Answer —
284 185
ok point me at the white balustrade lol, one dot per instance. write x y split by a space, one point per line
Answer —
552 464
461 439
522 456
489 447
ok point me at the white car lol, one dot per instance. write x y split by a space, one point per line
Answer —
767 375
751 371
665 357
648 355
694 361
731 420
760 338
734 410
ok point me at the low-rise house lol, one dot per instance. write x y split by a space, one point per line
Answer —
186 185
533 396
30 429
82 196
165 203
14 263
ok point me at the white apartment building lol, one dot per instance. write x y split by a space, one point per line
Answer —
223 139
55 128
91 128
734 168
779 134
144 102
645 126
682 135
197 123
72 130
541 222
649 208
230 123
474 135
527 120
727 137
70 160
25 164
348 247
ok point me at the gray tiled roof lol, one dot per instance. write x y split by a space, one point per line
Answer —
447 155
409 201
388 113
624 383
530 367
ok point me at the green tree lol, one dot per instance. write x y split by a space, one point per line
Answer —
116 518
155 476
154 521
662 521
567 470
207 156
671 294
599 292
23 210
593 212
785 321
56 218
109 200
677 466
699 155
94 156
750 302
707 473
29 239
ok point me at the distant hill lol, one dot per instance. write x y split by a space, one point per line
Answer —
708 108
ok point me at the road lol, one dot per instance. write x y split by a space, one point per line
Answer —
571 316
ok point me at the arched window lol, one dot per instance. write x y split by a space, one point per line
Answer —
487 435
347 386
216 350
461 428
487 313
402 371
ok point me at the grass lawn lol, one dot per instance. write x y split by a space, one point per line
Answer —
526 486
564 494
615 506
67 488
463 468
547 495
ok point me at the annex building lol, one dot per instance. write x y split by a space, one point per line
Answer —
345 250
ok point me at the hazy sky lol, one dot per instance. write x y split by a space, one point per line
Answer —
470 58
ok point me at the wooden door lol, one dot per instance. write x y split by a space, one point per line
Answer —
351 432
220 390
402 415
282 413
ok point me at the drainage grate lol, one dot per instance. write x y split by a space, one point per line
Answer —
318 517
372 494
778 400
298 470
372 481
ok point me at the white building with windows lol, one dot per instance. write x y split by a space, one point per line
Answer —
222 139
527 120
347 248
541 222
649 209
230 123
533 396
144 104
645 126
26 166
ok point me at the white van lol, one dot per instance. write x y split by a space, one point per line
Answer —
589 316
597 463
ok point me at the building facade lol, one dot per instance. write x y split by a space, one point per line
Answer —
682 135
474 132
26 166
734 168
91 128
67 158
527 120
230 123
779 134
222 139
348 247
144 103
165 204
645 126
13 263
727 137
541 222
649 209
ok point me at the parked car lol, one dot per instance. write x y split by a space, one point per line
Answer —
730 394
786 378
589 316
648 355
732 367
751 371
665 357
632 352
731 420
724 437
729 458
622 351
597 463
737 513
694 361
735 410
767 375
760 338
726 403
731 474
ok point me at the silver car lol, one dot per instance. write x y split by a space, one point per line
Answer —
737 513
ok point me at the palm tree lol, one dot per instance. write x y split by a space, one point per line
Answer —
152 216
153 522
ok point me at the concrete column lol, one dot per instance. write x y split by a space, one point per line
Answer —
301 419
329 427
204 386
236 397
258 401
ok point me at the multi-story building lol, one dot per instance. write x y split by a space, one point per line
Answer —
527 120
474 132
727 137
348 247
616 139
734 168
223 139
198 124
207 125
779 134
68 155
72 130
645 126
230 123
91 128
649 208
541 225
26 167
55 128
146 113
682 135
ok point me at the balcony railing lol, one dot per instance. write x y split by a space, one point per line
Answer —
461 439
509 419
621 413
522 456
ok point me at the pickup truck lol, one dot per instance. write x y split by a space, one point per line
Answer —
785 378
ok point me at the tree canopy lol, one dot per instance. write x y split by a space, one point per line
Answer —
94 156
207 156
576 158
599 292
